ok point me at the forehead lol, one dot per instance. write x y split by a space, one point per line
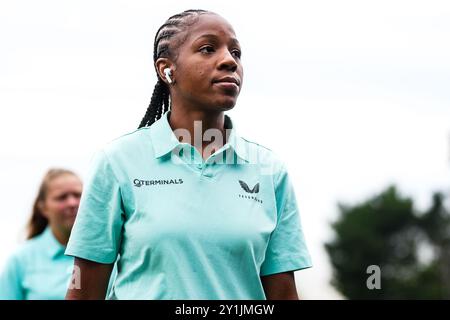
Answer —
63 182
210 24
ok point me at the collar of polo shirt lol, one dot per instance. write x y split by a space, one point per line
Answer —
54 248
164 139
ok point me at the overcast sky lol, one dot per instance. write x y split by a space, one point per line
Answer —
352 95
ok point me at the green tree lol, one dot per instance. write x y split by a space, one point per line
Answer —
435 223
387 232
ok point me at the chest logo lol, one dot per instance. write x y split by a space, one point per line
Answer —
139 183
247 189
251 193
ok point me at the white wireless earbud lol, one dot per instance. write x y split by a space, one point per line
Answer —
168 73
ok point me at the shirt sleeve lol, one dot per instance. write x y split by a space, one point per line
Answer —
287 249
97 232
11 281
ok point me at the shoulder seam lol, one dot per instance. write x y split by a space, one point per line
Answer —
255 143
129 133
108 162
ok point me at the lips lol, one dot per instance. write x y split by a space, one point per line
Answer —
227 79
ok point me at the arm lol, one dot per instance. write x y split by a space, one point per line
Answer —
94 279
280 286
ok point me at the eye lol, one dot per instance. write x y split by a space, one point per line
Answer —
237 53
62 197
206 49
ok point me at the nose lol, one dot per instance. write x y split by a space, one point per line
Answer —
73 201
227 61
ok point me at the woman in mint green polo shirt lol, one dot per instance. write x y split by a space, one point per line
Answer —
186 207
39 270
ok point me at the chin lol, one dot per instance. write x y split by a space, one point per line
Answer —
226 104
69 224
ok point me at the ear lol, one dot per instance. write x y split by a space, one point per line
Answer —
161 64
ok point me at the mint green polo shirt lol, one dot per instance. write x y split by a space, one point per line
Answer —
181 227
38 270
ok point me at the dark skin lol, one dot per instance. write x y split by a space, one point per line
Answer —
95 278
210 52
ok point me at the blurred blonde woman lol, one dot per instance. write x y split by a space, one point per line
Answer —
39 270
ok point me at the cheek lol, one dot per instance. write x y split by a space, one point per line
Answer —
55 208
196 77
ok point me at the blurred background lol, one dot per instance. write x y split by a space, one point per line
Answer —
353 96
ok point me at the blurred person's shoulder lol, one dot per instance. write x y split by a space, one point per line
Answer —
29 249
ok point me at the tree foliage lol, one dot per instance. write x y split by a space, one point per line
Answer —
411 248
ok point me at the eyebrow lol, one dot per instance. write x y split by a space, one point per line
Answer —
209 35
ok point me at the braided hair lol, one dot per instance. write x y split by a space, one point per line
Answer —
159 103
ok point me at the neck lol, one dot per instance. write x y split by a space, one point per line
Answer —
196 122
60 234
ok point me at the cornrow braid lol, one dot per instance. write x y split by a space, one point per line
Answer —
160 102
